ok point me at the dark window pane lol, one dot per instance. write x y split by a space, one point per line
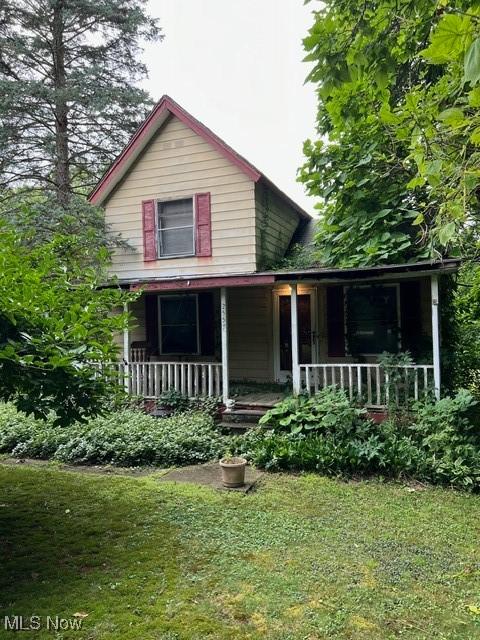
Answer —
372 323
179 324
179 310
179 339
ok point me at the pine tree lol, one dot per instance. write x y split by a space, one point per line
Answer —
69 74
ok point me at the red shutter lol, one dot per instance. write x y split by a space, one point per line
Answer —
335 322
149 233
203 225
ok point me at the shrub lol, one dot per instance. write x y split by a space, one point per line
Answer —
178 402
125 437
16 428
173 400
450 439
206 404
436 442
327 410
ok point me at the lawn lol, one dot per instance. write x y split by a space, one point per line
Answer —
301 558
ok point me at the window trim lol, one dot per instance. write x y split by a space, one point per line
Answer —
160 325
158 203
395 285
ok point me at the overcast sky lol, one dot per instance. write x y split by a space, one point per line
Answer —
236 65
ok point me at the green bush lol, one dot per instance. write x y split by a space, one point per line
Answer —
127 437
327 410
174 400
436 442
450 439
178 402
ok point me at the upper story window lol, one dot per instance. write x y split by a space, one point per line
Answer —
176 228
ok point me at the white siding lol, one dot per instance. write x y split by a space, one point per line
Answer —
178 163
250 334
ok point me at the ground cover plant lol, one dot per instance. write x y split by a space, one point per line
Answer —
125 437
302 557
435 442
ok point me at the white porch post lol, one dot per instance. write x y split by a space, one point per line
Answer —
126 337
435 334
294 322
126 353
224 323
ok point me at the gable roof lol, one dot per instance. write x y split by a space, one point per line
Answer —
154 121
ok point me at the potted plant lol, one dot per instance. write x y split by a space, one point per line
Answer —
233 471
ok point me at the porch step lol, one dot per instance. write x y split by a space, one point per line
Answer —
250 416
253 406
235 428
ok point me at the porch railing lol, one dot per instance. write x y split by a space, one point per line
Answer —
370 384
151 379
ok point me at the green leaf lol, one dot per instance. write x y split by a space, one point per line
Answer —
472 63
474 97
452 117
417 181
365 160
419 219
449 39
387 116
446 233
475 136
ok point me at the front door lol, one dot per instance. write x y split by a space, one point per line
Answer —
304 306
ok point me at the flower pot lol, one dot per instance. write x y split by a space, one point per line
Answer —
233 472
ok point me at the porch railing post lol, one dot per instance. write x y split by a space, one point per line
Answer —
126 352
224 323
295 359
435 334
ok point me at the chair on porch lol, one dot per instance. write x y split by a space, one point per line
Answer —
140 351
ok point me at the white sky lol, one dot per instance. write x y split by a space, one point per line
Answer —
236 65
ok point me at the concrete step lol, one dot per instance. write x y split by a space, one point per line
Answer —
254 406
235 428
251 416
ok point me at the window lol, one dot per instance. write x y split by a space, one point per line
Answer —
178 324
175 228
372 319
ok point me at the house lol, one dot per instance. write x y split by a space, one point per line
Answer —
205 229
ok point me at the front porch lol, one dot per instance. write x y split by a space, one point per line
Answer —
307 330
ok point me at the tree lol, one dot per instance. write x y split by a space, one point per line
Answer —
440 121
68 70
38 219
57 323
393 159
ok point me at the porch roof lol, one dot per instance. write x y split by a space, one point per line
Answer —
324 274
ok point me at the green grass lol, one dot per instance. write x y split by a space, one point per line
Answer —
302 558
